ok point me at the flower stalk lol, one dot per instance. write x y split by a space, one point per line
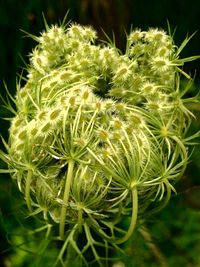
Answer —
134 197
28 189
64 207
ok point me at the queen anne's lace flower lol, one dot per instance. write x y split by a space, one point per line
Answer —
98 135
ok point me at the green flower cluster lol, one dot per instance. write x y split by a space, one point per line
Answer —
98 136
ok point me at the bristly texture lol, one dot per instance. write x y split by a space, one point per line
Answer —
98 136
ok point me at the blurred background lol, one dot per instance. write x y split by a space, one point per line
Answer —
172 238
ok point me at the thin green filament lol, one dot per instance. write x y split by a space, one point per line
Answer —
66 198
28 188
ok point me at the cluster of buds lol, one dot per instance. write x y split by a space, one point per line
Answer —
98 136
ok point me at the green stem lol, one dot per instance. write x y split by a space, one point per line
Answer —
66 198
80 219
28 189
134 194
73 258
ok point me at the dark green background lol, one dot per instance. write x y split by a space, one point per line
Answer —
175 230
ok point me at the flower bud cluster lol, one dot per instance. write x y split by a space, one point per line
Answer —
94 126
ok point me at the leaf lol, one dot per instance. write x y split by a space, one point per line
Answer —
184 43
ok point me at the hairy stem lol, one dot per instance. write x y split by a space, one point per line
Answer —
134 194
28 189
66 198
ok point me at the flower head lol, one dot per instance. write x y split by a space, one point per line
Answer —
95 134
